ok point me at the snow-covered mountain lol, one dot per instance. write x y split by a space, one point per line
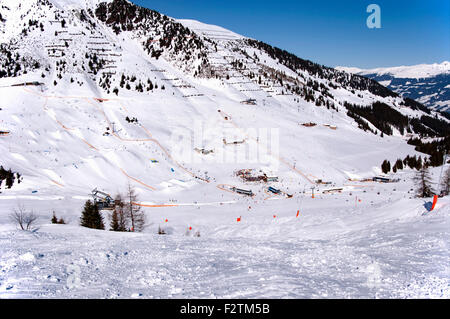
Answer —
428 84
185 71
102 94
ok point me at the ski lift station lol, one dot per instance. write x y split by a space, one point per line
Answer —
102 199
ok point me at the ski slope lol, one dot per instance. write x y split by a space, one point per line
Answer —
333 250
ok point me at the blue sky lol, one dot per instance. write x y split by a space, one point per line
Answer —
331 32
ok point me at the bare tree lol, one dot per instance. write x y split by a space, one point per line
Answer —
118 218
24 219
133 211
445 183
423 183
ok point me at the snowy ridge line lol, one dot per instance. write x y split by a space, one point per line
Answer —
413 71
424 83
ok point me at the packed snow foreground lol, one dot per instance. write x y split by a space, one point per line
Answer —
262 192
381 250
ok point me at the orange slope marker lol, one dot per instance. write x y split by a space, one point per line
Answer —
153 206
90 145
435 199
137 181
63 126
61 185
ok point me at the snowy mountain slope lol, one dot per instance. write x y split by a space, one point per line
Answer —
429 84
107 52
128 94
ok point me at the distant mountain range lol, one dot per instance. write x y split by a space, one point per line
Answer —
426 83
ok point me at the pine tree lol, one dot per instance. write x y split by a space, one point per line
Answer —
86 214
54 219
10 179
98 219
114 226
423 182
436 159
419 164
386 167
411 161
399 164
91 217
406 161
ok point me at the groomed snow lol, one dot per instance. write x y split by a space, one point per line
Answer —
333 250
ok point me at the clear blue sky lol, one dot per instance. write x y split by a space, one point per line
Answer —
330 32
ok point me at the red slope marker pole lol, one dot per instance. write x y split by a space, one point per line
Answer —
435 199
